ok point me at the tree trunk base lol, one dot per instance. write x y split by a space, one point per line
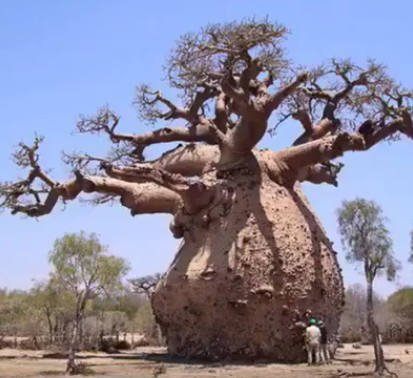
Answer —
245 275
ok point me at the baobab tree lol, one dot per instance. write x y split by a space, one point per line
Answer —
254 257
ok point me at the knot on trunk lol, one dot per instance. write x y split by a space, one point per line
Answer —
198 206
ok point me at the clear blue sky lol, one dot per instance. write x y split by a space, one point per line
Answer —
62 58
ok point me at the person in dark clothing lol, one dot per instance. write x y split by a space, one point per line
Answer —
324 352
307 317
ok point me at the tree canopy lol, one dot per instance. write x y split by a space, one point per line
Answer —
230 79
366 238
402 303
83 266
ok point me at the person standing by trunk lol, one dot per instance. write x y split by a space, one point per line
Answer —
307 317
312 342
324 352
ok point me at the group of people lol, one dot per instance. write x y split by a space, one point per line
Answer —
316 342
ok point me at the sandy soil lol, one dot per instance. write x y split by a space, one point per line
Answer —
152 362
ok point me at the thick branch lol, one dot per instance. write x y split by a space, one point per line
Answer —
230 88
145 198
194 193
250 73
200 99
188 160
329 148
146 172
333 103
197 133
221 112
277 98
315 132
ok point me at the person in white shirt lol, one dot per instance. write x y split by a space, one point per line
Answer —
312 342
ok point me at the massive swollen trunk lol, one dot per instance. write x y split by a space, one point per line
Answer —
238 285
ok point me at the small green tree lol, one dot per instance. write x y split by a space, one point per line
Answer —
401 302
83 266
13 313
367 241
46 298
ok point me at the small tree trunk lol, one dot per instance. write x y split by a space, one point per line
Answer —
71 362
36 343
80 334
50 326
380 366
64 331
56 331
96 333
101 337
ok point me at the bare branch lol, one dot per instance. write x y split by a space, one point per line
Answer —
197 133
104 121
343 87
206 56
147 101
132 146
199 101
305 119
276 99
329 148
145 198
250 73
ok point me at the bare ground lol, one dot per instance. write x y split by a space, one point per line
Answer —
148 363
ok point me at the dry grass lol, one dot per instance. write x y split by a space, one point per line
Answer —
17 364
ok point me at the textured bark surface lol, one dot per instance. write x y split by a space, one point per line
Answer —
238 284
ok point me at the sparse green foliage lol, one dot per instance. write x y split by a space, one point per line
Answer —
401 303
144 321
83 267
14 312
366 238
